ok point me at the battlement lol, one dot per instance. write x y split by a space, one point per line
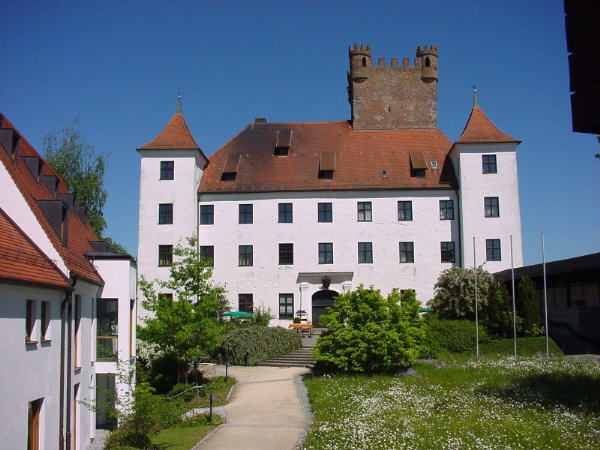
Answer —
362 50
433 50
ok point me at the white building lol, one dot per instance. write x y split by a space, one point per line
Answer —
49 297
293 213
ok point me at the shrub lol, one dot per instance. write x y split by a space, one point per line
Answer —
370 334
262 316
528 306
453 336
254 344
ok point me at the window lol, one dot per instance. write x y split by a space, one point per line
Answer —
325 212
228 176
33 424
405 210
45 321
107 310
166 170
131 325
286 306
407 252
365 252
491 207
418 173
207 214
245 257
165 255
285 213
364 211
165 213
29 320
245 303
492 250
326 253
488 163
446 209
326 174
447 251
245 213
207 254
286 254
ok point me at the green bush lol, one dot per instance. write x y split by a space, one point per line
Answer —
255 344
369 333
453 336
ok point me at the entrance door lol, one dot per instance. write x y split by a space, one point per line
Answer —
321 300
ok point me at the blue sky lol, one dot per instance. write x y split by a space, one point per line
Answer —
118 65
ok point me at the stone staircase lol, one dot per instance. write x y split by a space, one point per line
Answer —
298 358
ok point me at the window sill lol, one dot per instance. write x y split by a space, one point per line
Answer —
30 342
46 341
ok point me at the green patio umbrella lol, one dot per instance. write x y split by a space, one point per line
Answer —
237 314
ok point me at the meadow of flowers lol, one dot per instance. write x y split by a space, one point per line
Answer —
501 403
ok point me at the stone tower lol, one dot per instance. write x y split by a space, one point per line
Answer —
393 97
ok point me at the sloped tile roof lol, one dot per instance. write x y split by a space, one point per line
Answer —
479 128
175 135
378 159
22 260
79 233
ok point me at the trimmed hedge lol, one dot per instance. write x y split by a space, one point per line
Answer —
258 343
453 336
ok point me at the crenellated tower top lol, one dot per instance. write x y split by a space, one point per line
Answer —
393 96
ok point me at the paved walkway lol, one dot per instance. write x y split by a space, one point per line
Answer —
264 411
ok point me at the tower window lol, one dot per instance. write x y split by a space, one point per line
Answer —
165 255
165 213
166 170
492 250
427 62
491 207
364 62
489 164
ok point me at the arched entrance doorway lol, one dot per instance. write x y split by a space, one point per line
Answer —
321 300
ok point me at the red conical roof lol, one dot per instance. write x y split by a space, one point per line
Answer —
481 129
175 135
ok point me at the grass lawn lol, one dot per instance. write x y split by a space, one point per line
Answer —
183 438
488 403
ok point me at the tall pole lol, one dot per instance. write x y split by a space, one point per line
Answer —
476 316
545 295
512 271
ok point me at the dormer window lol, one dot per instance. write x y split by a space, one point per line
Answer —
230 167
283 143
326 165
418 164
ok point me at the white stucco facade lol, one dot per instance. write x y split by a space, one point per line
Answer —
266 278
181 192
475 186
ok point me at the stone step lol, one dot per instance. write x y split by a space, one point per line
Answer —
298 358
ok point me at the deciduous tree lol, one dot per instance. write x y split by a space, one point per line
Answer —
186 322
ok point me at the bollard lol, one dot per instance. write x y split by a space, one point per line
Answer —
226 366
211 398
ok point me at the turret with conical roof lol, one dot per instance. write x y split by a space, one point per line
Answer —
171 168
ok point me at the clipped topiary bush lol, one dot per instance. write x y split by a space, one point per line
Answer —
255 344
453 336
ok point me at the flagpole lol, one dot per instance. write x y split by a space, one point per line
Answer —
545 295
476 316
512 270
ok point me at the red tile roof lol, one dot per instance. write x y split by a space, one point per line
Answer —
22 260
175 135
481 129
79 233
378 159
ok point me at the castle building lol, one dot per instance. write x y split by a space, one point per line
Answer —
291 214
